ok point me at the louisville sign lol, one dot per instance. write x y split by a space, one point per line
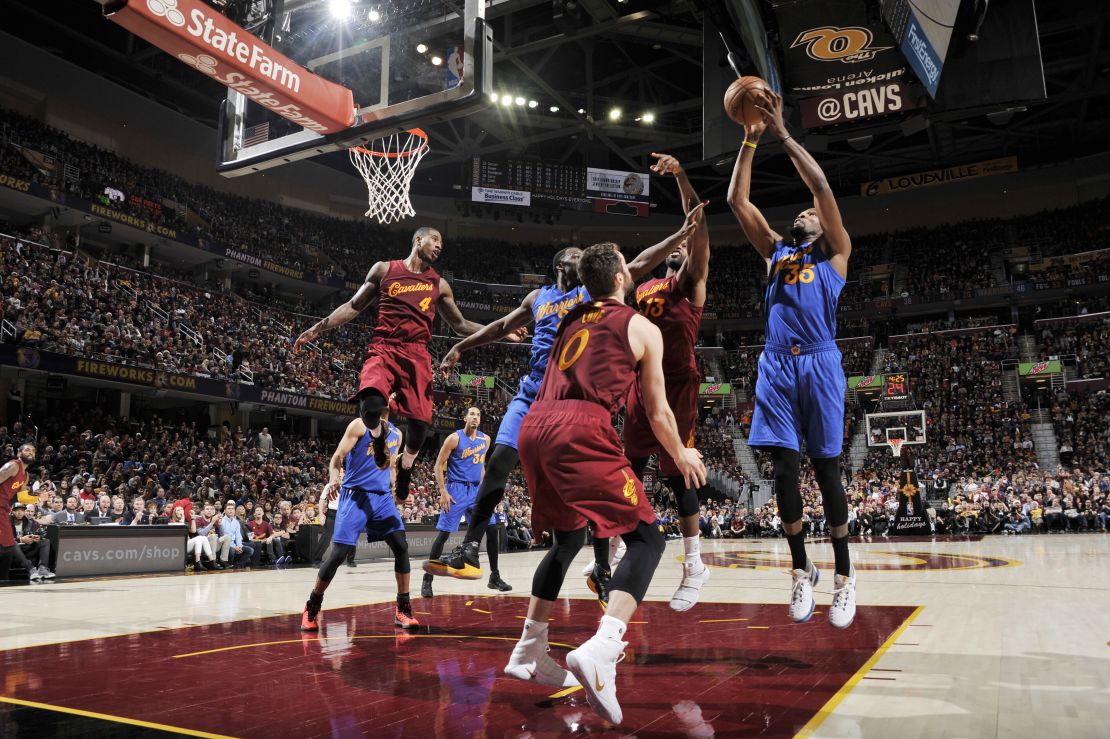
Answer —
207 41
857 104
1003 165
832 45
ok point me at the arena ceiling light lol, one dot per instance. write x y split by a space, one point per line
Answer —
649 117
340 9
374 15
436 61
553 109
421 48
532 103
614 114
506 100
520 101
493 97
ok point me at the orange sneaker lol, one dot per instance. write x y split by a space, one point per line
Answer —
405 620
311 615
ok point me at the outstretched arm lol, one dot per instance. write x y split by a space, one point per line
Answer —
695 269
510 325
755 226
653 256
838 245
451 313
362 298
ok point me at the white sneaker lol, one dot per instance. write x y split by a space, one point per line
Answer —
35 574
45 574
843 608
531 662
801 595
595 665
689 589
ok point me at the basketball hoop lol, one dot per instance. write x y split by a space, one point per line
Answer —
896 446
387 168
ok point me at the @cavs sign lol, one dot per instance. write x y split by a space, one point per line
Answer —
832 45
859 104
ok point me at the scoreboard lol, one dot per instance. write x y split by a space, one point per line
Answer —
564 183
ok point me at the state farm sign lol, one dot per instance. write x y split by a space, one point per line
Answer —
207 41
859 104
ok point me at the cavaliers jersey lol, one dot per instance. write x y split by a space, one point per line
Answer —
593 360
802 290
8 490
406 304
466 462
548 311
359 470
661 301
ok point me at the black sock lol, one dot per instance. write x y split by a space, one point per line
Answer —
493 547
840 551
403 602
315 598
797 544
601 553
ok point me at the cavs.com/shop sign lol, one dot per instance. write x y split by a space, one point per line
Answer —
207 41
860 104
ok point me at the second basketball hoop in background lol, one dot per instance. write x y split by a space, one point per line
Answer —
387 166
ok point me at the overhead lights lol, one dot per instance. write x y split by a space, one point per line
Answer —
532 103
614 114
648 117
506 100
340 9
493 97
421 48
581 111
374 16
520 101
436 61
553 109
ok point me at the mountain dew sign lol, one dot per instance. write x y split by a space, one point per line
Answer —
1051 367
715 388
476 380
864 382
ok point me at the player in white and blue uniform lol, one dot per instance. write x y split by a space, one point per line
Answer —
799 393
545 307
458 470
360 473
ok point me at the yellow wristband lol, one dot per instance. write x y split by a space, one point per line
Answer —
750 145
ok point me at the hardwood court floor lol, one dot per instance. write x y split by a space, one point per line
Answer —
996 637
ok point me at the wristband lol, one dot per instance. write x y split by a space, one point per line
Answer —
784 140
749 144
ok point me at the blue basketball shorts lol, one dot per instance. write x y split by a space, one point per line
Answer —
376 513
509 429
464 494
800 398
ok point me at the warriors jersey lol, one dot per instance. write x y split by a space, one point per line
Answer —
360 472
801 295
466 462
548 310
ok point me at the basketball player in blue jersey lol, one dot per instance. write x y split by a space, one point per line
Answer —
799 393
545 307
458 471
365 503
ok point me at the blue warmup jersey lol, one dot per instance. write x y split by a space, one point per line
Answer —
548 310
799 394
366 498
464 472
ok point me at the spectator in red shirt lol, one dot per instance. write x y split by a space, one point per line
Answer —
262 532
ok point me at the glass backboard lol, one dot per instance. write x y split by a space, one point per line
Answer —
407 62
908 426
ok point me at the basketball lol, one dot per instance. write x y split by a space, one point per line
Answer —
742 96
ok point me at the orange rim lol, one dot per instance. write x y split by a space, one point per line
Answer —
418 132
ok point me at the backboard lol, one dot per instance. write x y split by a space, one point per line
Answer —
407 62
909 426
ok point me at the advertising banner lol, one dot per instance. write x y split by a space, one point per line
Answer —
715 388
612 184
831 45
114 550
476 381
922 29
1002 165
204 39
1050 367
866 382
857 104
501 197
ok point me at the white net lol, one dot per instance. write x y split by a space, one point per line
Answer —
896 446
387 168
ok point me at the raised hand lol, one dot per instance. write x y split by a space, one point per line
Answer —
665 164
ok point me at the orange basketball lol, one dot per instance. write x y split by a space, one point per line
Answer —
742 96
